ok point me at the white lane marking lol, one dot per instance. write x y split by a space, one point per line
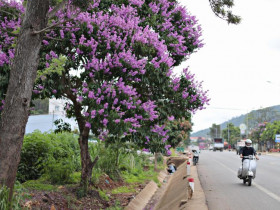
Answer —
266 191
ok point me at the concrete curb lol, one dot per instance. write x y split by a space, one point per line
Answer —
141 200
176 193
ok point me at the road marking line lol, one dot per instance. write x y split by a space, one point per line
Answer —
266 191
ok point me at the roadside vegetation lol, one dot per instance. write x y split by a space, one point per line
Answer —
50 173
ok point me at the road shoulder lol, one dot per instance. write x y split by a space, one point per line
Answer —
198 200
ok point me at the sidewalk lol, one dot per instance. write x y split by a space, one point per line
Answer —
276 154
198 200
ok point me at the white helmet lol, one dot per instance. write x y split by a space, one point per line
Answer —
248 143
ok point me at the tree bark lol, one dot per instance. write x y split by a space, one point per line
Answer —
87 163
156 163
17 102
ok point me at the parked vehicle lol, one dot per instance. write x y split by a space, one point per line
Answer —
218 144
202 145
247 172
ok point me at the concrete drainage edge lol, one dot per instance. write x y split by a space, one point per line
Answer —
140 201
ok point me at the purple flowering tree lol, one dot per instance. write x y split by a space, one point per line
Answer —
113 63
123 83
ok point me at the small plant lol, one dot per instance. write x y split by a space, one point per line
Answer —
17 197
4 198
103 195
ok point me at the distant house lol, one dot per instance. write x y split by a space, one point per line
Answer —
45 123
195 139
56 106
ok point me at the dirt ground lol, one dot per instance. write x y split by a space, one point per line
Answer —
65 198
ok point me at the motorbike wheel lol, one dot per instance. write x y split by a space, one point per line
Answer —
244 181
194 162
249 181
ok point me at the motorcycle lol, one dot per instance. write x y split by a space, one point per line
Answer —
195 157
247 171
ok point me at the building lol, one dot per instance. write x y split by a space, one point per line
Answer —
45 122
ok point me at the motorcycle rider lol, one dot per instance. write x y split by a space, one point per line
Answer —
195 155
248 150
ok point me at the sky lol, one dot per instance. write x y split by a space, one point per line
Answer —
239 64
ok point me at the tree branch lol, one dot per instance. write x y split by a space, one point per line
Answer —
58 7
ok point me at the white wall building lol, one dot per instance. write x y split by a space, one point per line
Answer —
45 123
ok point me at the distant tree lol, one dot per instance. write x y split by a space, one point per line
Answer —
256 132
179 131
260 116
231 133
268 135
61 126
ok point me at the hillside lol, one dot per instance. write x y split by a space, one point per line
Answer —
236 121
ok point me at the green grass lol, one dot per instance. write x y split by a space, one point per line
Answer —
75 178
123 189
103 195
39 185
140 176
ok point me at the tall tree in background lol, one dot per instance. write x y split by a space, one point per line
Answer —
268 134
231 133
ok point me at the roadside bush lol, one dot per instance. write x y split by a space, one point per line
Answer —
107 159
56 155
60 171
35 153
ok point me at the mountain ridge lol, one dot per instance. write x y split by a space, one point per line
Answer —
236 121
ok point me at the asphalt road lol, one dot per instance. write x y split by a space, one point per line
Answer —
224 191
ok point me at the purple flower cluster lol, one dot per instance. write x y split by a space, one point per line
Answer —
8 25
185 31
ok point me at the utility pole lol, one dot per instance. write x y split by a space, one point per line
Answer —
228 132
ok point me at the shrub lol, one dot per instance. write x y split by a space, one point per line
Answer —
56 155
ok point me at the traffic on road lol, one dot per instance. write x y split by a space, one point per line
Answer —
224 190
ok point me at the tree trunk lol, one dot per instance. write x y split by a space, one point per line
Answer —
87 163
155 166
22 76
